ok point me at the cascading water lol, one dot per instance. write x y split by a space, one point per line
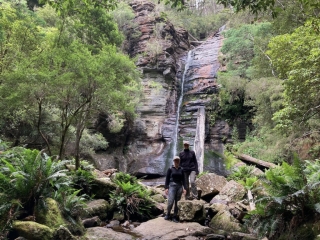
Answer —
176 130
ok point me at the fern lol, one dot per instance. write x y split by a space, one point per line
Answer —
130 197
28 176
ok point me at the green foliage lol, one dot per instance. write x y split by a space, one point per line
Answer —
130 197
229 159
200 22
72 7
241 173
71 203
48 15
246 46
249 182
266 95
292 197
97 28
3 145
44 57
231 99
299 66
266 145
27 177
275 7
245 58
82 178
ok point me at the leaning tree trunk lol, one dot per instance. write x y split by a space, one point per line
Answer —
255 161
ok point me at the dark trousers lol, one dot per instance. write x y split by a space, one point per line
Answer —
174 195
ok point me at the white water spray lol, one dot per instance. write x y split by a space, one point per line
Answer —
176 130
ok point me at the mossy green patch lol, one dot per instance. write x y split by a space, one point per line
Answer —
50 215
33 230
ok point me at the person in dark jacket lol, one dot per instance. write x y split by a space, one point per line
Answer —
189 164
175 185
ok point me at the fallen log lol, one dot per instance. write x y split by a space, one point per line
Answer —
256 161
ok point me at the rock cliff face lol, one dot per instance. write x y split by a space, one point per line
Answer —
200 88
146 146
158 45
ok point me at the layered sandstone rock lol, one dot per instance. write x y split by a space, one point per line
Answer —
146 146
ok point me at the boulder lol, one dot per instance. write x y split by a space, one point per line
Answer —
210 185
63 233
225 221
99 207
231 192
158 198
91 222
242 236
102 187
97 233
217 207
32 230
191 210
159 228
50 215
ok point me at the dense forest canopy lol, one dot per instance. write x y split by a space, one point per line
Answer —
43 53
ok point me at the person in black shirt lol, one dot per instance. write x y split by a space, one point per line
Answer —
189 165
175 185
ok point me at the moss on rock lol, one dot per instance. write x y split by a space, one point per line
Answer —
33 230
51 215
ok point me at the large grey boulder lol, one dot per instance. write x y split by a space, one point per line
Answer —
102 233
210 185
161 229
191 210
225 221
231 192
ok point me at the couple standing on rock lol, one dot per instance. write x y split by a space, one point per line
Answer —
185 166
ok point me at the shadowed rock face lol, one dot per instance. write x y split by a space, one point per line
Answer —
145 147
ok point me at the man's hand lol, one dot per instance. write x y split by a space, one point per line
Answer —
166 191
184 192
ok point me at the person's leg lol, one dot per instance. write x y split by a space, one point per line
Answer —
171 199
176 200
194 192
186 177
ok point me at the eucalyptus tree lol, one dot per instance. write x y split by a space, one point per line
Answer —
48 71
19 41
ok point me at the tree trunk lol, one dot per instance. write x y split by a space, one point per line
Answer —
255 161
38 126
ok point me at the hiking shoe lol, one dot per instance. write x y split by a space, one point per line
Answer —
175 220
167 217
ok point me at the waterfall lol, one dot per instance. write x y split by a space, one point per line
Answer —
176 129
